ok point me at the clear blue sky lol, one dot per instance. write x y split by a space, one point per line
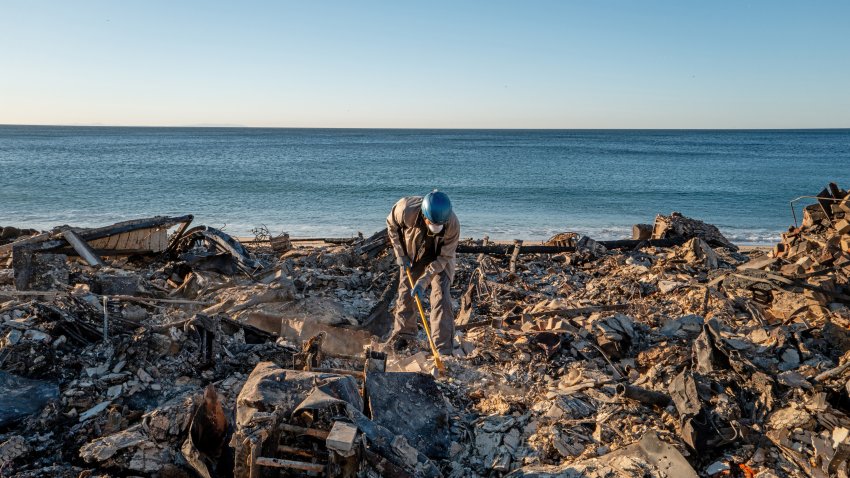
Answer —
473 64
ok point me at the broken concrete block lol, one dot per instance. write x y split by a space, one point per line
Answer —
341 438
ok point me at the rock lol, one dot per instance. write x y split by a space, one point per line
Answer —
143 375
683 326
13 337
104 448
94 411
486 445
667 286
790 359
114 391
97 371
511 440
793 379
12 449
36 336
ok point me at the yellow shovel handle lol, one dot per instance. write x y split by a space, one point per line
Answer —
437 361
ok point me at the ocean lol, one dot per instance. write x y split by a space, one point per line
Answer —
335 182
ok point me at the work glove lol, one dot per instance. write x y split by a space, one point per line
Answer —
403 261
419 288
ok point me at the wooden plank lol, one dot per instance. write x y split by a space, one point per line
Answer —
161 242
82 248
112 242
123 239
313 432
91 235
133 242
514 256
296 451
98 243
760 263
142 239
126 226
175 240
105 252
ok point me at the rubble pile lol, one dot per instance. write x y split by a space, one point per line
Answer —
129 351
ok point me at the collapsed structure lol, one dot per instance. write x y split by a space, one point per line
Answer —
128 351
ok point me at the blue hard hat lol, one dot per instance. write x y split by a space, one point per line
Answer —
437 207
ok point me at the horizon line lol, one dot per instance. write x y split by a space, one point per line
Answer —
235 126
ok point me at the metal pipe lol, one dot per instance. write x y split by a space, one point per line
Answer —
105 321
648 397
794 213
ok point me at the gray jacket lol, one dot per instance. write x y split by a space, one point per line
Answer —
407 230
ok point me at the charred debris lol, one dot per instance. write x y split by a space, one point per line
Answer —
153 348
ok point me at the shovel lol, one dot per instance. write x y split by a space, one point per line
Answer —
437 361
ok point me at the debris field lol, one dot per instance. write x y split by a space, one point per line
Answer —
153 348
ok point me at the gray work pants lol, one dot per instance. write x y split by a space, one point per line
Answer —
442 321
